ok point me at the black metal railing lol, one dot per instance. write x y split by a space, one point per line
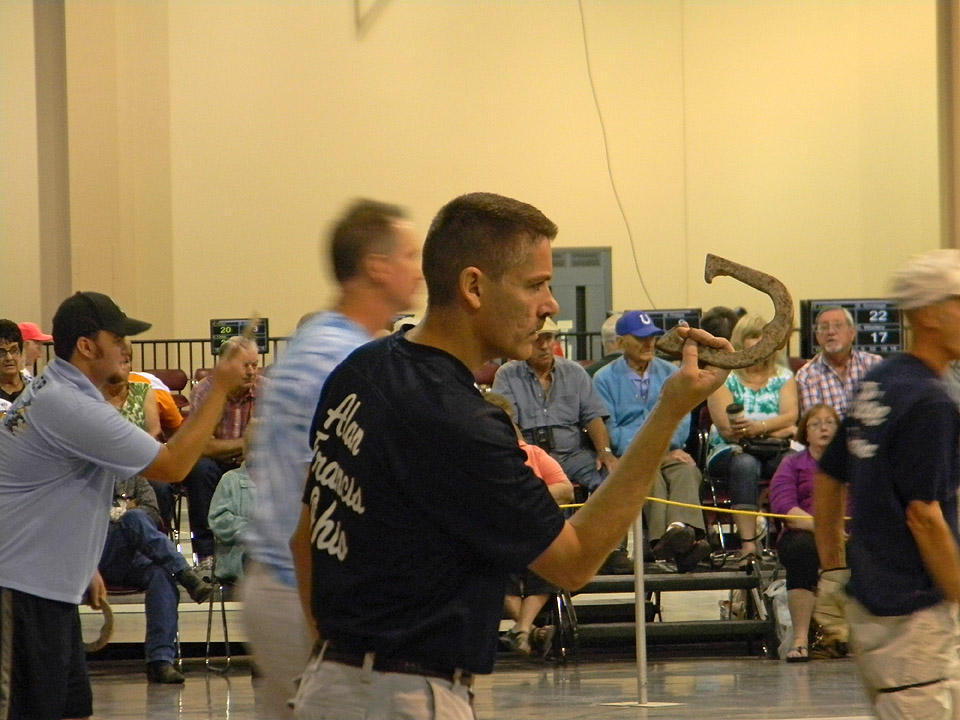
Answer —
192 354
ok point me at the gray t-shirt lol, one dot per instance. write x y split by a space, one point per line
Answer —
62 448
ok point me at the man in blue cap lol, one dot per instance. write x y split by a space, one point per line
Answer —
630 386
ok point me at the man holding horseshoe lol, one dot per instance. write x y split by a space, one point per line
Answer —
418 502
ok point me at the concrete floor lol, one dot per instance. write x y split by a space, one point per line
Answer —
713 682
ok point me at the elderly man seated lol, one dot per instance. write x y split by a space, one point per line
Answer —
558 410
611 346
630 386
224 450
834 375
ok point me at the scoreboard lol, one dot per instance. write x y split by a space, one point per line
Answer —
223 330
878 324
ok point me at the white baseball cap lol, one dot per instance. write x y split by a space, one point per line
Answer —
927 279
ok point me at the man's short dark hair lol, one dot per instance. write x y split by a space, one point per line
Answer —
10 332
365 227
482 230
65 344
719 321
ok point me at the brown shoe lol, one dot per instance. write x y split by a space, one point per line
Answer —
688 561
518 641
163 673
678 539
197 588
617 563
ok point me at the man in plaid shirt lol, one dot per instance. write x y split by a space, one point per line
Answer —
224 449
834 375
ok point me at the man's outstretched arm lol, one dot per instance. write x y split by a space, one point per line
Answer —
588 537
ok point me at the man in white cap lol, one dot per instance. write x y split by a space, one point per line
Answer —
559 410
62 448
897 454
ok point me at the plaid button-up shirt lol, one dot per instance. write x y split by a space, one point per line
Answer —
819 383
236 413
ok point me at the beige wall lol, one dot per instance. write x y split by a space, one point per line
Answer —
211 143
19 200
811 139
119 139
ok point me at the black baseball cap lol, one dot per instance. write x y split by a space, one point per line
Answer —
84 313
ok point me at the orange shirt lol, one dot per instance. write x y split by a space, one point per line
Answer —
544 466
170 417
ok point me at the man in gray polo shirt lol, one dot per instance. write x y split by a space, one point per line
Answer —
62 447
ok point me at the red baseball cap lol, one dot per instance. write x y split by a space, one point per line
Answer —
31 331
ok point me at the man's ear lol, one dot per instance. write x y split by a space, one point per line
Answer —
374 266
86 347
925 317
470 286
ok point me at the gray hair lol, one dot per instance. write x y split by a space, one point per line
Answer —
608 331
846 314
240 341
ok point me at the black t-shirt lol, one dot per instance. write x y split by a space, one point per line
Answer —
898 443
421 505
4 395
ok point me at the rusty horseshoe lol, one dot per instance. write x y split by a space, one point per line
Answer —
774 335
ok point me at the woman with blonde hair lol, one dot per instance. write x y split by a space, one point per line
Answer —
755 403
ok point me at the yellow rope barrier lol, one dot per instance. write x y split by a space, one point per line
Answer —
707 508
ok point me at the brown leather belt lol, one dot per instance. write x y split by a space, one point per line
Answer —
355 658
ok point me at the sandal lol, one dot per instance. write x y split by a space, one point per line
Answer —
797 654
518 641
541 640
746 562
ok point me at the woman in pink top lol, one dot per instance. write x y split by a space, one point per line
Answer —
527 592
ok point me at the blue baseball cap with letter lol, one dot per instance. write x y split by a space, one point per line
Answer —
638 324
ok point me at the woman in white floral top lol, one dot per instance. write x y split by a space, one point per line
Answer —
768 394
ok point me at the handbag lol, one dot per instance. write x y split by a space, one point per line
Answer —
765 448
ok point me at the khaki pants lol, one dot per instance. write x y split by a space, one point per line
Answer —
909 663
278 638
830 609
680 482
331 691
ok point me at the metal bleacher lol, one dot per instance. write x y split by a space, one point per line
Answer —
604 610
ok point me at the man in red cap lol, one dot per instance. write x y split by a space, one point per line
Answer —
33 340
